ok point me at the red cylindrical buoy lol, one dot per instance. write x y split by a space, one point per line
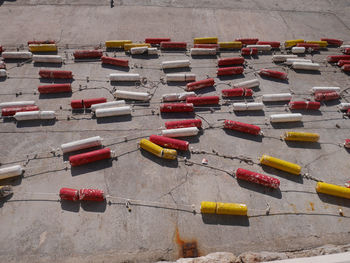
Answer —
55 74
246 51
206 46
10 111
336 58
89 102
304 105
89 157
77 104
242 127
248 41
176 107
347 142
37 42
69 194
273 74
343 62
230 71
1 49
115 61
273 44
325 96
237 92
173 45
205 100
200 84
230 61
346 67
257 178
183 124
87 54
94 195
309 45
169 142
346 51
156 41
55 88
333 42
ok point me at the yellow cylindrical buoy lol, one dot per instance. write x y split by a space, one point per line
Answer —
332 189
230 45
301 136
320 43
128 46
208 207
205 40
42 47
291 43
280 164
117 43
231 209
157 150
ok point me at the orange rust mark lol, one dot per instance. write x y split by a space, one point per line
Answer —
294 208
187 249
312 206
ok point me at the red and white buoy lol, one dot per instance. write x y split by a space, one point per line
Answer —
257 178
93 195
242 127
200 84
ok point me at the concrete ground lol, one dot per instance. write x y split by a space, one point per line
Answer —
35 227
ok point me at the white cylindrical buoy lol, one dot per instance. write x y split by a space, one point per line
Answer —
203 51
260 47
132 95
47 115
247 84
138 50
243 106
290 61
342 47
17 55
81 144
277 97
152 51
34 115
288 117
17 104
47 58
282 58
180 132
176 64
298 50
344 106
325 89
306 66
109 104
181 77
124 77
3 73
11 171
178 96
115 111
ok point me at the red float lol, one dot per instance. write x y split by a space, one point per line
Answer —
309 45
237 92
257 178
346 51
87 103
230 61
55 88
230 71
1 49
115 61
55 74
343 62
156 41
325 96
273 44
249 51
10 111
336 58
173 45
304 105
200 84
183 124
332 41
77 104
87 54
347 142
248 41
273 74
346 67
176 107
38 42
69 194
242 127
169 142
216 46
89 157
205 100
94 195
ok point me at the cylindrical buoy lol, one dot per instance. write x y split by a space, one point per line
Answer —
12 110
288 117
298 50
249 51
306 66
229 71
277 97
55 88
139 50
332 189
3 73
292 43
343 62
94 195
132 95
113 111
12 171
205 40
325 89
47 59
237 92
345 68
81 144
280 164
124 77
322 44
173 45
273 44
180 132
247 84
230 45
344 106
81 54
157 41
176 107
251 106
247 41
230 61
216 46
332 41
304 105
178 96
41 42
202 51
42 47
115 61
257 178
77 104
242 127
117 43
290 61
69 194
110 104
89 102
34 115
200 84
55 74
260 47
231 209
176 64
16 55
208 207
301 136
180 77
336 58
169 142
325 96
17 104
205 100
127 47
282 58
347 143
158 150
273 74
89 157
183 124
152 51
309 46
